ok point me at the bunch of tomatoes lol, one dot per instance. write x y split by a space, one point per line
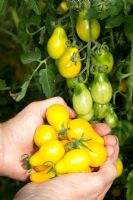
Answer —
71 145
65 146
91 94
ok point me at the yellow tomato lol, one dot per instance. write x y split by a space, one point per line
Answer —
97 153
76 160
69 64
80 128
83 27
44 133
57 43
119 167
63 7
57 115
43 176
51 151
40 168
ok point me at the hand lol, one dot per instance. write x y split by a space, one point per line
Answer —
78 186
16 136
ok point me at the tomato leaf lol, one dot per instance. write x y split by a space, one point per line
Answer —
115 21
3 85
47 79
35 6
20 95
30 57
124 131
129 185
3 3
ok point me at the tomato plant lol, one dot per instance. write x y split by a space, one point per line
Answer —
32 45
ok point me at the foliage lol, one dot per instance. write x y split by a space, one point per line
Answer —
27 73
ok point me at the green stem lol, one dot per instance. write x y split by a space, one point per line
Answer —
112 39
9 33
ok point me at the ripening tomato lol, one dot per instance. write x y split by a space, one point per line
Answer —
57 43
123 86
51 151
83 27
80 128
72 82
57 116
111 119
69 64
74 161
82 100
97 153
119 167
100 110
87 116
40 168
104 60
44 133
101 89
63 7
43 176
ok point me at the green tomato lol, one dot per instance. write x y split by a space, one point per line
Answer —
72 82
111 119
100 110
101 89
87 116
104 60
82 100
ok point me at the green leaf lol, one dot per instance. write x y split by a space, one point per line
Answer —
23 91
3 85
47 80
129 185
30 57
115 21
35 6
129 27
124 132
2 4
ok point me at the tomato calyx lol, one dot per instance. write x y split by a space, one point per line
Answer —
63 131
25 162
51 169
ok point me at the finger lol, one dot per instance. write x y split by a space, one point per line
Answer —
55 100
108 171
102 128
110 151
110 140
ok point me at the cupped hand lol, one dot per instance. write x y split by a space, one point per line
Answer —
17 136
78 186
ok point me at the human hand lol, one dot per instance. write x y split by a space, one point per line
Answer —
78 186
16 138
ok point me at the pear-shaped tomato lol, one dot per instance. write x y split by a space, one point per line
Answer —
69 64
97 153
57 115
51 151
101 89
80 128
74 161
82 100
42 176
57 43
100 110
87 116
83 28
111 119
103 59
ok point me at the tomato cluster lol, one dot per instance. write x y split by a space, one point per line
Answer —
65 146
91 103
